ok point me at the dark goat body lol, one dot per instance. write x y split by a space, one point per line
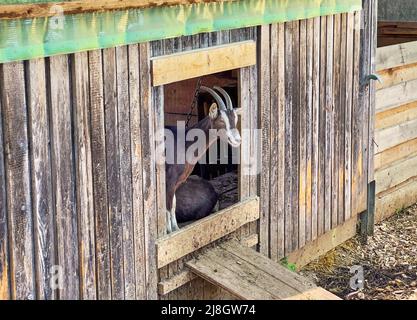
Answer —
196 199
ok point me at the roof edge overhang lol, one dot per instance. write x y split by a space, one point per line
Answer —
29 36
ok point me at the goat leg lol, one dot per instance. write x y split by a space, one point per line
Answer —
174 223
168 222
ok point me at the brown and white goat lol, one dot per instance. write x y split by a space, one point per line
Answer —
223 119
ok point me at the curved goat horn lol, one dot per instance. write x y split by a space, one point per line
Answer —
219 100
226 96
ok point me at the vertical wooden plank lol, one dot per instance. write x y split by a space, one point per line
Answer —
336 119
253 105
289 95
214 38
224 36
270 143
4 245
169 48
309 128
315 181
98 147
63 176
158 101
19 206
123 115
322 128
367 95
172 268
363 88
295 134
187 43
348 116
371 121
204 40
364 91
282 140
137 184
196 41
357 122
42 201
177 44
267 224
113 172
149 183
342 117
245 130
303 134
244 103
329 118
255 147
84 175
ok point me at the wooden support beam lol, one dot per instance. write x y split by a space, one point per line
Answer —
250 275
207 230
397 198
393 76
402 93
395 135
178 280
200 62
396 55
185 276
396 116
324 243
395 154
396 173
42 10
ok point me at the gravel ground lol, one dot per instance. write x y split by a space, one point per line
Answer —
389 261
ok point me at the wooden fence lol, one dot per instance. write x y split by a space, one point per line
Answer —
396 129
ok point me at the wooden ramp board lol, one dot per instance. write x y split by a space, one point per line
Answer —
251 276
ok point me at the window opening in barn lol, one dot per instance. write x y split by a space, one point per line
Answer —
213 183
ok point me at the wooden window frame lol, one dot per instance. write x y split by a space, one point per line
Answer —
174 68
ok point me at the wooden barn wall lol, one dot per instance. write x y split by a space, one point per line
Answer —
77 176
248 186
79 136
315 126
396 129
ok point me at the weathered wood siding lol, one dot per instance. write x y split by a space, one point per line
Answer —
77 176
315 129
396 129
80 187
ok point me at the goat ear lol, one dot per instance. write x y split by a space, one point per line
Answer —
213 111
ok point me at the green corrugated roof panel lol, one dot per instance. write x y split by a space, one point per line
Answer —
40 37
